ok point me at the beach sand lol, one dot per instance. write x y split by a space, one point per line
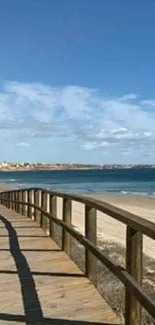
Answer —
111 230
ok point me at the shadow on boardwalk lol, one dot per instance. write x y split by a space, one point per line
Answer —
32 307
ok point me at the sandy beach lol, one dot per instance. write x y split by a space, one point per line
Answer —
110 230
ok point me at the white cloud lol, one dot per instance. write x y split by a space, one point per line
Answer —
94 145
148 134
29 111
130 96
22 144
148 102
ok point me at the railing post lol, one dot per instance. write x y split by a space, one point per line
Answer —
53 212
67 218
24 207
15 197
36 202
20 199
43 219
32 201
3 198
38 216
134 253
14 201
91 235
4 202
7 202
11 198
29 200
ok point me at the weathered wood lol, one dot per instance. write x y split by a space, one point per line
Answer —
11 198
67 218
53 212
134 267
3 197
29 200
20 199
43 220
6 197
14 198
16 201
91 235
136 222
36 202
38 214
24 200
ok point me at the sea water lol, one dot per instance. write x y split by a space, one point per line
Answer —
123 181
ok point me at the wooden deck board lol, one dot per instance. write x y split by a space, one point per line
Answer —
39 283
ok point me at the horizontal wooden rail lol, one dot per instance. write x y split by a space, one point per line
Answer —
136 222
131 277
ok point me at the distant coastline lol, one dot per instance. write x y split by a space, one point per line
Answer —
83 180
43 166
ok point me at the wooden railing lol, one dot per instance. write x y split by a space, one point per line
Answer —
43 205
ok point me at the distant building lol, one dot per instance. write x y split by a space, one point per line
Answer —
4 164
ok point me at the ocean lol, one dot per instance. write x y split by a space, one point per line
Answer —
122 181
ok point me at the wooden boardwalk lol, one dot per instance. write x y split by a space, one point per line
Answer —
39 283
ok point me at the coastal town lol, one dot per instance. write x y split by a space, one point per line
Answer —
9 166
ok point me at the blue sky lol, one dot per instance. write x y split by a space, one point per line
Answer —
77 81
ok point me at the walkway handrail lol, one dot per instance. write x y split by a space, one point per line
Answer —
43 203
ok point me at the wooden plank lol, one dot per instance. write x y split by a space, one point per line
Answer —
90 234
134 267
53 288
67 218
